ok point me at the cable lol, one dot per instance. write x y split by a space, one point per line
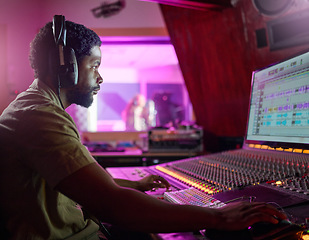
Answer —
282 210
250 198
58 93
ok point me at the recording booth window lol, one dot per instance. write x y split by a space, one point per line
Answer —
142 78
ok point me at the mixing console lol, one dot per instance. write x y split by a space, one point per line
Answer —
234 169
279 178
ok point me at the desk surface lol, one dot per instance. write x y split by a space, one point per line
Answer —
136 157
140 153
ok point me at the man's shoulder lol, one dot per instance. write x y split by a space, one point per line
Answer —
34 106
33 111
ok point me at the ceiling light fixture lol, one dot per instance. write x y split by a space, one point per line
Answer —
108 9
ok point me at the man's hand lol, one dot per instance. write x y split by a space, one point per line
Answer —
151 182
145 184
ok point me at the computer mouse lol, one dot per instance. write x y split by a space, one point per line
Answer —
284 229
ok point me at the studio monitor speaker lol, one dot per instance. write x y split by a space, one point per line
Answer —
288 31
272 7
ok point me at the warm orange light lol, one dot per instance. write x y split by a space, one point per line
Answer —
278 183
305 237
288 150
297 150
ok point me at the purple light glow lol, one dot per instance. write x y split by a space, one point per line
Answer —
130 66
137 52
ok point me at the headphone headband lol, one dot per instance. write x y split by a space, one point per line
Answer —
66 64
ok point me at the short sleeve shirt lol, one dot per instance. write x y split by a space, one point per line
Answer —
40 146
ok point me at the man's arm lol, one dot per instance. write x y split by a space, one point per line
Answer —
94 189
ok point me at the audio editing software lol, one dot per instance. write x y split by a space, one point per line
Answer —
272 166
279 106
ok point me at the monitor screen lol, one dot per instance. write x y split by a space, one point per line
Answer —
279 104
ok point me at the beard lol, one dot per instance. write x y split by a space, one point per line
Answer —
81 97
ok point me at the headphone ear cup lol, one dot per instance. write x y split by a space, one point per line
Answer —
53 63
68 73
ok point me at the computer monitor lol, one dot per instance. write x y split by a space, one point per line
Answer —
279 104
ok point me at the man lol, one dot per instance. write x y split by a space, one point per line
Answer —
45 170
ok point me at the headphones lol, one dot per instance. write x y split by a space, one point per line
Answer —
63 59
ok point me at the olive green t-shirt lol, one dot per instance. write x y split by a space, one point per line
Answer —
40 146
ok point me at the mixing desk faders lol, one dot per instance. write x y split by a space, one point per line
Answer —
217 179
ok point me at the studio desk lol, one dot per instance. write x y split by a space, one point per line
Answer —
214 180
280 178
144 148
136 157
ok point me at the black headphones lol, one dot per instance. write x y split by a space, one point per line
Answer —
63 58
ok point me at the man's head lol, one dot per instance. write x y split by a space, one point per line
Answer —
86 45
80 38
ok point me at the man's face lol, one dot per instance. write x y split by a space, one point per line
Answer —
89 79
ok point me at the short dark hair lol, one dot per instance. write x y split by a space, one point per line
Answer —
78 37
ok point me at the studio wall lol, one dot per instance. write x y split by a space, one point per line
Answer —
217 52
4 99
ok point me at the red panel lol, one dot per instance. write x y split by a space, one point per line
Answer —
217 52
210 49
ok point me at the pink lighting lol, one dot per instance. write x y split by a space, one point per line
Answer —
131 66
138 54
121 75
